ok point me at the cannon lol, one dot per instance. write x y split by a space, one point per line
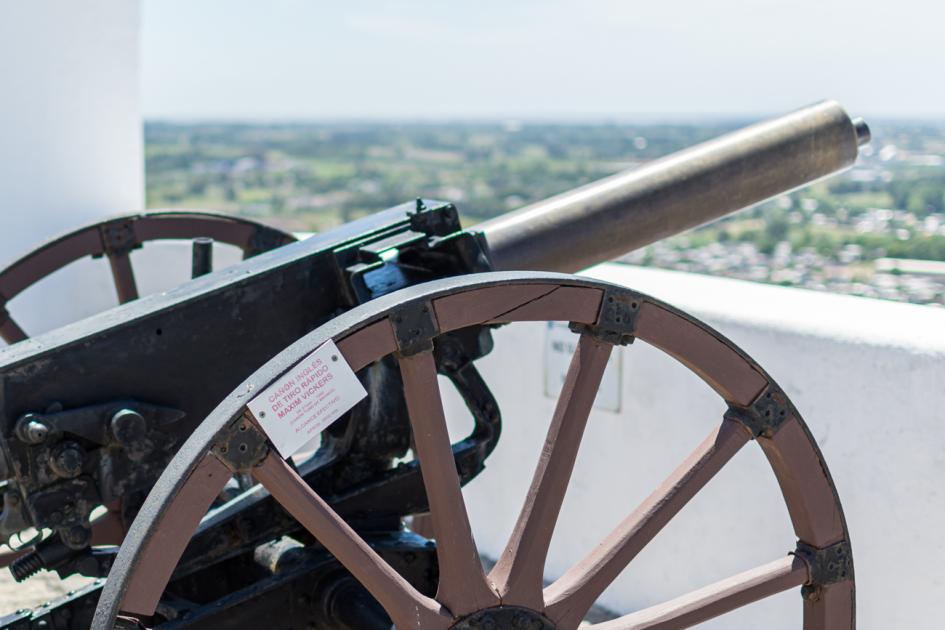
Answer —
164 447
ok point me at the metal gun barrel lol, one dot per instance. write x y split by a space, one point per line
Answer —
633 208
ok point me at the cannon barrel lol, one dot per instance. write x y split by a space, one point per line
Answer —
633 208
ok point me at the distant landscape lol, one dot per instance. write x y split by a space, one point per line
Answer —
878 230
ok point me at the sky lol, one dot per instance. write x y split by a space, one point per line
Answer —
539 59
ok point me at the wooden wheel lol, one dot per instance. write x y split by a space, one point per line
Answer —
116 238
512 595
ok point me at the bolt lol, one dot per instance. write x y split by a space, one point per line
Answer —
37 431
25 566
31 429
128 426
67 459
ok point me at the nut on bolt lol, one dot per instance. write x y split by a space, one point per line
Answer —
31 429
131 431
67 459
128 426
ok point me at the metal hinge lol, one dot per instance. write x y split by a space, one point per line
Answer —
765 415
617 320
829 565
241 446
415 327
118 237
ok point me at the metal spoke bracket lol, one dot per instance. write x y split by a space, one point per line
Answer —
415 327
617 320
118 237
242 446
765 415
829 565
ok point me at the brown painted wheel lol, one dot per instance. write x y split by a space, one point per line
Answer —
602 314
116 238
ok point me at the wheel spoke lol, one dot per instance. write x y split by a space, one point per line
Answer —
716 599
575 592
463 587
518 574
9 329
124 277
405 605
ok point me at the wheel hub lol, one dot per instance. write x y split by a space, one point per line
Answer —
504 618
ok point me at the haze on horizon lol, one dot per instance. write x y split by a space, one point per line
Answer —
554 59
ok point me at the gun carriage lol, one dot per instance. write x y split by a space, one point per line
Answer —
126 439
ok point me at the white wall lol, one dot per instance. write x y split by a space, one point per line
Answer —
866 374
70 138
